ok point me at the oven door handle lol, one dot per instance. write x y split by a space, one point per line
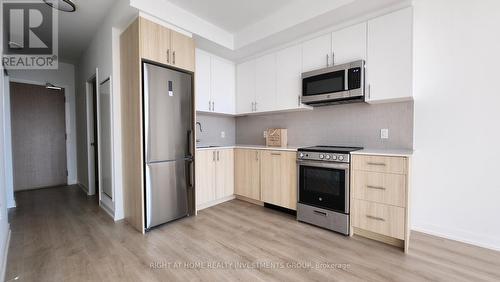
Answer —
344 166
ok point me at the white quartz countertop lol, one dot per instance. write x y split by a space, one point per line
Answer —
384 152
255 147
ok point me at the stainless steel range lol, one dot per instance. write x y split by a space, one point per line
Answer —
323 186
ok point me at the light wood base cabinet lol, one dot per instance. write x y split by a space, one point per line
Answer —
247 173
278 172
214 176
380 198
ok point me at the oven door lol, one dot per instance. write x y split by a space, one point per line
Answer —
324 185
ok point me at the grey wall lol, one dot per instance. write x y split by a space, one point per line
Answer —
212 127
347 124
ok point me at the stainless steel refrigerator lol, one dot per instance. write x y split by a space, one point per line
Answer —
168 143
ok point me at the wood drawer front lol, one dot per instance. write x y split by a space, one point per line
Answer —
380 164
380 187
379 218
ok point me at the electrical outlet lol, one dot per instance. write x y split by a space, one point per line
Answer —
265 134
384 133
222 134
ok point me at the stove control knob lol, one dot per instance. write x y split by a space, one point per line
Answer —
301 155
341 158
321 156
334 157
327 157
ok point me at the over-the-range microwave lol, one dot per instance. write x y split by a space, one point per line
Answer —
333 85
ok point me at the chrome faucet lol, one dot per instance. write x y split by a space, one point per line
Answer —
201 130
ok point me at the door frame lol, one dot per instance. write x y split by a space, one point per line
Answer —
67 117
89 112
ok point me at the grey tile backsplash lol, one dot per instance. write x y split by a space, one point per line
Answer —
212 126
347 124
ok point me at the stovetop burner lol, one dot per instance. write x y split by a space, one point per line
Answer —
330 149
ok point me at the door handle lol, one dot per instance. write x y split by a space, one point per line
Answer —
189 172
189 142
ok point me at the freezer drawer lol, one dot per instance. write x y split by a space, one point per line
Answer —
166 192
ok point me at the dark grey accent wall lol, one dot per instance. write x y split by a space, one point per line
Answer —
212 126
348 124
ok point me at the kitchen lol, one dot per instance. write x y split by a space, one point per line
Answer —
313 182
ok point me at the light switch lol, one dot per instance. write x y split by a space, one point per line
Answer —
265 134
384 133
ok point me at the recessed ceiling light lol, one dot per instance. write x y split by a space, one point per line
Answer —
61 5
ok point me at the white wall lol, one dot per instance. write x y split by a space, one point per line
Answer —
456 191
4 224
64 76
9 170
103 54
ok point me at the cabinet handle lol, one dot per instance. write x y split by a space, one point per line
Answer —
377 164
209 106
213 156
327 59
168 55
276 154
298 100
375 217
256 155
173 57
213 106
375 187
333 59
217 155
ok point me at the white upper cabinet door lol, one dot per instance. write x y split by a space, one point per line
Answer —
349 44
316 53
245 87
223 86
390 57
265 83
202 81
288 77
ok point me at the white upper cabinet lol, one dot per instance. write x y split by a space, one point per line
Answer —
288 77
389 57
245 87
223 86
349 44
202 81
265 83
316 53
214 84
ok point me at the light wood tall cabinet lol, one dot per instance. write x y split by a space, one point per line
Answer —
214 177
144 40
165 46
278 172
380 198
247 173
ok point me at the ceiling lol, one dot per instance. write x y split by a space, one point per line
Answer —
78 28
232 15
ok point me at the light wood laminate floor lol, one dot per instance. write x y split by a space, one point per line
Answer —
59 234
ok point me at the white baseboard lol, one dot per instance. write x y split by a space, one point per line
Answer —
84 188
459 235
214 203
5 256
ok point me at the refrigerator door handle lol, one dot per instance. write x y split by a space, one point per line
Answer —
189 143
189 174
